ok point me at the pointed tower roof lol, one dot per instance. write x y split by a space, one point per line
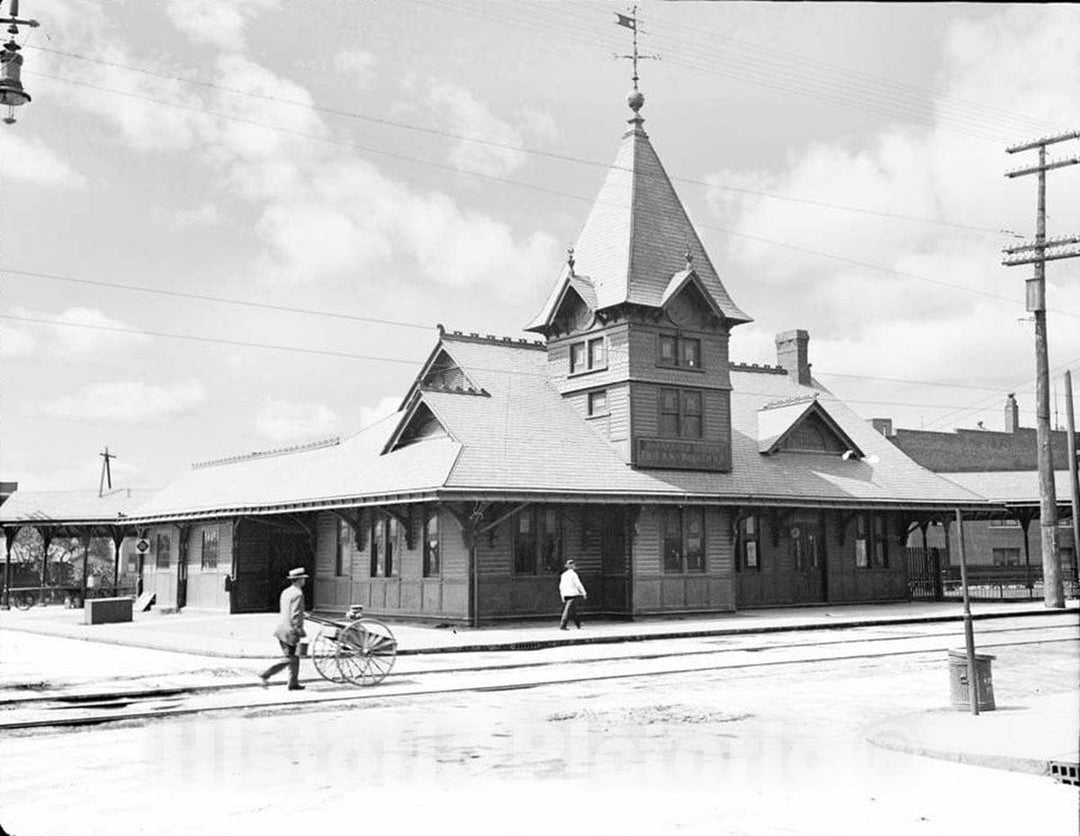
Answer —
637 235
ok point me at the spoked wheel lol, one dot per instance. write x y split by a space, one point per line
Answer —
323 652
23 600
366 651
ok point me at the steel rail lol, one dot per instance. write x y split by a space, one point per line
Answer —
330 699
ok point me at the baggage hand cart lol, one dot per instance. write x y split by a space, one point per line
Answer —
360 650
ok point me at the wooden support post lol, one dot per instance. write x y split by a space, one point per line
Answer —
86 561
969 633
46 541
9 543
117 540
1025 524
1074 479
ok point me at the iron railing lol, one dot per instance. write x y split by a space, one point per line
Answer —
931 579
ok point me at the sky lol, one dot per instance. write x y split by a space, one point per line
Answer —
342 176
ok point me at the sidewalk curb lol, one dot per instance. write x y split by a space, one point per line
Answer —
543 644
1009 763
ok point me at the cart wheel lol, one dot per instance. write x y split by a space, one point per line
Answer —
366 651
323 652
23 600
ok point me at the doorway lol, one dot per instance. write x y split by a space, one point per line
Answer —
807 545
614 560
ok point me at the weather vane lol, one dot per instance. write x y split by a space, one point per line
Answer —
632 22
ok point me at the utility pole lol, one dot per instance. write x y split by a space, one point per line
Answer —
106 471
1038 253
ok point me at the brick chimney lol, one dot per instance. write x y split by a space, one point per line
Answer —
882 425
1012 414
791 354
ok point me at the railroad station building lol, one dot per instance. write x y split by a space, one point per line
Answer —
623 436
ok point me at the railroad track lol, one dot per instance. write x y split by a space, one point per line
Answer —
80 710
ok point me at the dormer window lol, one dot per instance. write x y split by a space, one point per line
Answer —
679 352
588 355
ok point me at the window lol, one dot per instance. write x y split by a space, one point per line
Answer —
537 541
432 566
682 540
377 534
210 548
881 543
597 353
1006 557
872 542
342 555
681 352
161 552
748 557
384 537
588 356
577 357
681 413
598 403
1004 523
690 354
804 546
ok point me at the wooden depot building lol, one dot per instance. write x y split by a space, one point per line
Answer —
623 437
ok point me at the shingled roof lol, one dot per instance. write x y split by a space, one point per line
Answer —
522 438
637 237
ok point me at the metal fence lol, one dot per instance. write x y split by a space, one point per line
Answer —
24 597
930 578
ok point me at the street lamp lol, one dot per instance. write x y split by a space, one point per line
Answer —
12 94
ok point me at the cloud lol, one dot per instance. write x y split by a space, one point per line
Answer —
83 475
880 323
217 23
281 420
357 64
321 212
181 220
127 402
384 408
460 112
538 123
31 162
83 333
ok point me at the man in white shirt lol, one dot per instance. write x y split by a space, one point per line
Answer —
573 593
289 630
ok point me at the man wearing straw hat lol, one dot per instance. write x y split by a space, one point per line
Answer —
289 630
573 593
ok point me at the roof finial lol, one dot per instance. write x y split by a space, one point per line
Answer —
635 99
570 258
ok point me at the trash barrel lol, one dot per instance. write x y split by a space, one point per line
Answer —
958 680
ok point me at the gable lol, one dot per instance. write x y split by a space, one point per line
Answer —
444 373
802 425
420 424
573 312
687 304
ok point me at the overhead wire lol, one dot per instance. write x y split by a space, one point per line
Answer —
509 181
802 83
507 146
236 343
708 36
205 297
